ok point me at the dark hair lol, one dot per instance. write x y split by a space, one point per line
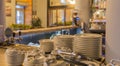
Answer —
75 13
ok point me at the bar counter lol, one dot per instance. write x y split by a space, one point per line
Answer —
45 29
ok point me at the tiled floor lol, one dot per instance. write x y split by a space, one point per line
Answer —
2 57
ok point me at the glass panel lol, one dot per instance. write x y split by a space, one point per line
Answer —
54 16
18 6
19 15
61 17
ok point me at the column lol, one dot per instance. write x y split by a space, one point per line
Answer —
113 30
83 7
2 19
2 12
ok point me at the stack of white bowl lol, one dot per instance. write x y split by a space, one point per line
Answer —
14 57
63 41
34 58
46 45
88 45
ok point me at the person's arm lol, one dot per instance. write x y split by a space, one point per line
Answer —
82 25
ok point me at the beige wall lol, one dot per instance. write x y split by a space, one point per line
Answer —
112 30
10 19
2 19
83 7
2 13
41 7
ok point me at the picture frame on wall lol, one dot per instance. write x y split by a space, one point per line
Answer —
8 10
8 1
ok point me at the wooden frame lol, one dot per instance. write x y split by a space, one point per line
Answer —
8 1
8 10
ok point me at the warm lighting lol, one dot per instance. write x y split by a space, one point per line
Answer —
98 12
23 1
63 1
68 1
71 1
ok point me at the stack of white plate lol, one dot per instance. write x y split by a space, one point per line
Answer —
46 45
88 45
89 63
63 41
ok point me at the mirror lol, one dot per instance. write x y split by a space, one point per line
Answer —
8 32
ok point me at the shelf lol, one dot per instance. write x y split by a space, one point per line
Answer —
97 30
97 22
97 8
